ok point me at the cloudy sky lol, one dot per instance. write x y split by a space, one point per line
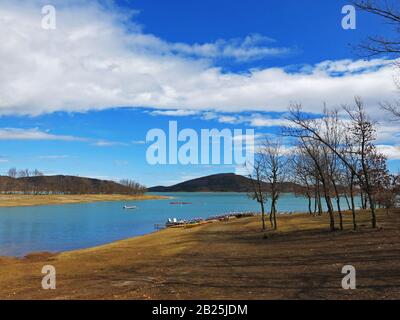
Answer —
80 99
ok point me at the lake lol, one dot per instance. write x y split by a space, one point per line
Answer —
57 228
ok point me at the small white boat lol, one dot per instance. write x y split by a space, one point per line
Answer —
174 222
130 207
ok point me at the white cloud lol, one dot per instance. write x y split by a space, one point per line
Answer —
174 113
252 120
91 61
139 142
33 134
53 157
349 66
38 135
222 118
105 143
388 132
258 120
253 47
391 152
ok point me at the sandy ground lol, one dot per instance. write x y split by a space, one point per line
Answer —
36 200
223 260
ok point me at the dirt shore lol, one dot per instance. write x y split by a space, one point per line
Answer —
39 200
223 260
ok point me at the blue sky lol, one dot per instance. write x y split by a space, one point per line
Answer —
80 99
312 27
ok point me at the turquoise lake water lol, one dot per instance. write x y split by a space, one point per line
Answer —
73 226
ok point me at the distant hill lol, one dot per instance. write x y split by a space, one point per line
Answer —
62 185
225 182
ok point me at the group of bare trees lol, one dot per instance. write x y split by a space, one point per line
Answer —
334 162
268 174
133 185
345 161
34 182
24 173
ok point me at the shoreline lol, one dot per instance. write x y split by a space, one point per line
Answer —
155 232
187 225
181 224
10 201
176 263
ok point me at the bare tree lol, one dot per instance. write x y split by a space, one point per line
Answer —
275 170
36 173
318 153
380 45
394 110
24 173
363 132
389 11
334 134
12 172
133 186
349 176
383 182
258 192
304 170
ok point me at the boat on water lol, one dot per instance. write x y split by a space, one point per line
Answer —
130 207
223 217
174 222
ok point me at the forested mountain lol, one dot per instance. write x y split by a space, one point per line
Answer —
67 185
226 182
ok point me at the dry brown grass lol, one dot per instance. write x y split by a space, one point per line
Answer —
16 200
223 260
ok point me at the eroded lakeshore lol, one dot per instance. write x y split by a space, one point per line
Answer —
223 260
40 200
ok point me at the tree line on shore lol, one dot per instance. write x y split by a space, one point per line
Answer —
33 182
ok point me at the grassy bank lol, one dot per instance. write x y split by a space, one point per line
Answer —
16 200
223 260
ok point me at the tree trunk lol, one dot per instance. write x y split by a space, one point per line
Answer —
338 205
331 214
320 210
353 207
368 190
309 204
274 211
347 201
262 215
315 202
363 205
372 207
271 219
329 205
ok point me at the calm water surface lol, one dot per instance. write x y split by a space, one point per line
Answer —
66 227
